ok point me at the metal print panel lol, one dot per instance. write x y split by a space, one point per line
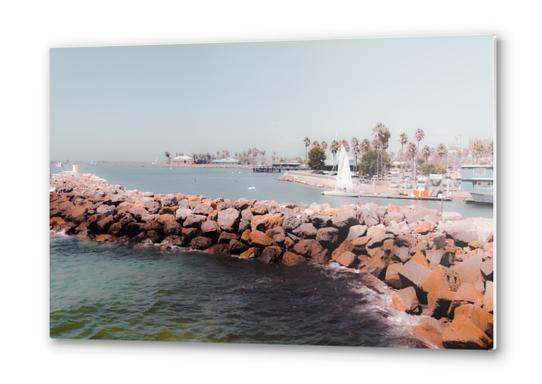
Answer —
336 192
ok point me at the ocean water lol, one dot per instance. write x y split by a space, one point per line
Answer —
110 291
233 184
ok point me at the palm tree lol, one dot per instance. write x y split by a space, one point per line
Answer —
315 144
426 152
412 152
477 149
307 142
441 151
167 155
334 147
346 146
418 135
381 142
323 145
403 139
465 153
355 149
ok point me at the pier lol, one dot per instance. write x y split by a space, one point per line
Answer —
266 169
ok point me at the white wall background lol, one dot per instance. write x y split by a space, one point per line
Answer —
28 29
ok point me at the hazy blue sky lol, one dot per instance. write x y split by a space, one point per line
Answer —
134 103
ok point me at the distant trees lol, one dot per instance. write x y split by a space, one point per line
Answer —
370 162
307 142
334 148
426 152
317 156
428 169
441 151
477 149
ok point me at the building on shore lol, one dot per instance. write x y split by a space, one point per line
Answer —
477 178
183 160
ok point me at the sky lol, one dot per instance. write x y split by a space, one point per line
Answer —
133 103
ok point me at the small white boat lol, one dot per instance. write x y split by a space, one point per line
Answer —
340 193
482 197
344 185
251 187
59 165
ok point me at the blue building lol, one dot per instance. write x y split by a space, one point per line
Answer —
477 178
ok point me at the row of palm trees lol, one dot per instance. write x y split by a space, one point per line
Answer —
381 136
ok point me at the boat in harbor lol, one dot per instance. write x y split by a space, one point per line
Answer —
343 186
482 197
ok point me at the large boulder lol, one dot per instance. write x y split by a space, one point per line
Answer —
306 231
168 200
291 258
292 222
194 221
171 227
138 213
266 222
345 219
321 221
228 219
464 334
203 209
201 242
348 260
370 217
414 275
312 249
258 238
328 236
356 231
107 210
469 271
243 203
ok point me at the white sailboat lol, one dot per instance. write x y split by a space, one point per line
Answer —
343 186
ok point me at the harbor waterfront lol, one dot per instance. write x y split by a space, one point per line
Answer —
232 183
145 265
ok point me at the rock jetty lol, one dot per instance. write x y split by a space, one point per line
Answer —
442 270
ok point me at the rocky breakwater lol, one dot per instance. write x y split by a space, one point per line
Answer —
440 271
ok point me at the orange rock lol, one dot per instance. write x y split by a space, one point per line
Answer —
480 317
420 259
210 202
54 221
196 198
464 334
139 204
466 294
266 222
213 215
105 238
250 253
392 276
438 281
161 219
473 244
291 258
351 207
329 212
260 238
422 227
